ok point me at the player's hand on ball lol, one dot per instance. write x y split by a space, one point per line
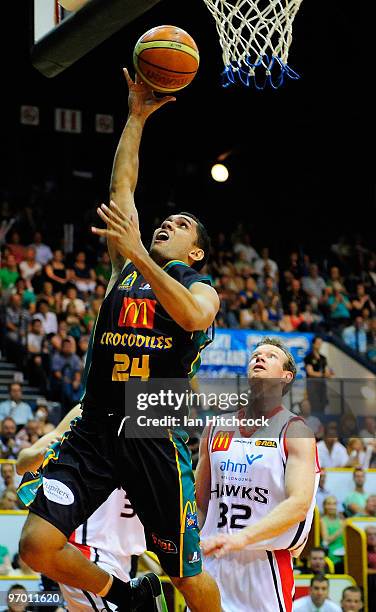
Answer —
223 544
141 100
123 230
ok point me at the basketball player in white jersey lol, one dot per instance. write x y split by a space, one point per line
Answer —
256 491
108 538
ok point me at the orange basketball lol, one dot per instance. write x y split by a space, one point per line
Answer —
166 58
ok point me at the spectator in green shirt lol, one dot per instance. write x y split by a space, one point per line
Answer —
356 501
28 296
5 564
9 273
370 507
103 270
331 527
339 305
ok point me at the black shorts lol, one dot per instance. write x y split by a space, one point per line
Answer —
156 473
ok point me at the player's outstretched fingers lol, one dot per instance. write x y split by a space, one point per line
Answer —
110 221
121 217
138 79
112 213
212 544
117 215
127 77
222 551
107 233
103 214
99 231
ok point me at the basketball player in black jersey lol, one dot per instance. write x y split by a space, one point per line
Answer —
151 325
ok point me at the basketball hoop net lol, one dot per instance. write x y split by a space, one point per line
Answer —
255 36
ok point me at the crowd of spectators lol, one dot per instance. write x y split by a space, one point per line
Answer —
318 599
337 296
48 307
329 557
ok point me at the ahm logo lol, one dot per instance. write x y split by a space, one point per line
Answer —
240 468
252 458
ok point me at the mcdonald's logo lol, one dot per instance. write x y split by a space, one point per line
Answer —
189 519
137 313
222 441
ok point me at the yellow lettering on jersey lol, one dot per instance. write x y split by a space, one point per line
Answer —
268 443
116 339
160 342
140 340
122 363
153 342
125 367
142 371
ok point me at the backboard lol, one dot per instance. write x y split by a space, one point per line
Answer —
61 37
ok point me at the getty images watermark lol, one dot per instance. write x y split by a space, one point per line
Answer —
188 400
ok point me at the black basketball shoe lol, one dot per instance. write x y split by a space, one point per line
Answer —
147 594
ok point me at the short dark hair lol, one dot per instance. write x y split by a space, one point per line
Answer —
317 549
203 241
353 589
319 578
8 418
289 364
17 586
40 302
358 469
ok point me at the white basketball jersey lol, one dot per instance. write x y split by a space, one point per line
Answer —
113 532
108 538
247 482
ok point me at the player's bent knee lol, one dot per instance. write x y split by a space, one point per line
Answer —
39 540
187 584
31 550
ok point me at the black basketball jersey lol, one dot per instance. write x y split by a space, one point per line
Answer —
135 338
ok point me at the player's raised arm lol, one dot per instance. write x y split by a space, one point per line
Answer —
142 103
